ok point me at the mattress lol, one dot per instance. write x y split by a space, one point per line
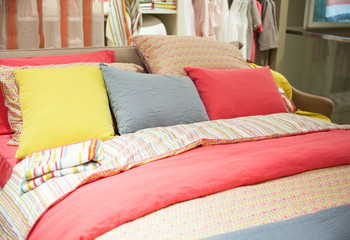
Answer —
7 159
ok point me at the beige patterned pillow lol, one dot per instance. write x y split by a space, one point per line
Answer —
168 55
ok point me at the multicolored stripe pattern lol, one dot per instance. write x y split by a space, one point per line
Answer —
338 11
18 213
156 143
124 20
60 161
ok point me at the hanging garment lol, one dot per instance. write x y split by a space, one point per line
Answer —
269 37
185 18
124 20
237 27
51 24
209 16
221 12
203 23
256 25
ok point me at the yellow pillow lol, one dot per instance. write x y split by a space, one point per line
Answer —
313 115
62 106
280 80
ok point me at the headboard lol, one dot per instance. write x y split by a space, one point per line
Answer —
125 54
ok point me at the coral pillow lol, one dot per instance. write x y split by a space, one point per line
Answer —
61 106
4 124
106 56
168 55
234 93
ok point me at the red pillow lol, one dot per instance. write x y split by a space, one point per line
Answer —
106 56
230 93
4 123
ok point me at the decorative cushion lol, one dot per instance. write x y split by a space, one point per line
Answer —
106 56
170 54
11 91
228 93
284 86
141 100
287 102
4 124
61 106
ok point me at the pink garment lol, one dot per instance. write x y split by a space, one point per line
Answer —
203 24
100 206
209 15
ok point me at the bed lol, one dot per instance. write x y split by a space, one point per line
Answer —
173 156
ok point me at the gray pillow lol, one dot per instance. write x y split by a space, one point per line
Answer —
141 100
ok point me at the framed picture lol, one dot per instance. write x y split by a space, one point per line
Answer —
327 14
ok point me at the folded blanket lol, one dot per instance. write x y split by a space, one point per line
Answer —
60 161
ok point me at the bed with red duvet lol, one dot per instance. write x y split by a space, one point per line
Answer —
262 176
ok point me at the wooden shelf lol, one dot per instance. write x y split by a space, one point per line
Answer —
158 11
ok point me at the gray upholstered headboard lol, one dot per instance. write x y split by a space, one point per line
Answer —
125 54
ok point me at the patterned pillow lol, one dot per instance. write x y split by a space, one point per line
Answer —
168 55
11 91
287 102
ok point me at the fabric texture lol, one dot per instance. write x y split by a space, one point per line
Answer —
284 86
168 55
172 141
62 106
287 102
7 159
141 100
11 90
277 200
5 127
269 37
313 115
187 174
124 20
280 80
337 11
51 24
243 19
106 56
60 161
327 224
228 93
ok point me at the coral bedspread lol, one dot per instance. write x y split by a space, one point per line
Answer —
7 159
288 145
108 203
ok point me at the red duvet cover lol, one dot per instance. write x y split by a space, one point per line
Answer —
100 206
7 159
